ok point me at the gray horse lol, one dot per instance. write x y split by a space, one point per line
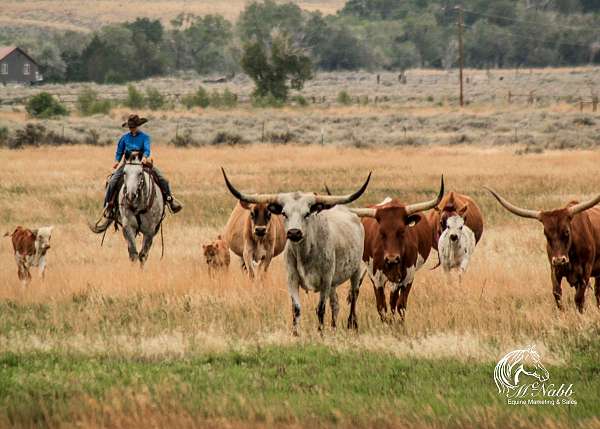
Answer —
141 208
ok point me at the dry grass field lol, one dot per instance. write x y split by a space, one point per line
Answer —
88 15
101 343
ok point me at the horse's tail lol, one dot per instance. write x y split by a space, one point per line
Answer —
100 226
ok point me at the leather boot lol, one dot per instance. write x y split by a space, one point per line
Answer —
174 205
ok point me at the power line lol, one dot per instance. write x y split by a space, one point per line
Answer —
537 24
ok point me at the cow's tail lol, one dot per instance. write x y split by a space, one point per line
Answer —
439 262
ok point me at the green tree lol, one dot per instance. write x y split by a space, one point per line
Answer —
258 20
277 67
154 99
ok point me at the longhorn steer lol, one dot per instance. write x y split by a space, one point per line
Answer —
254 235
324 248
398 240
572 244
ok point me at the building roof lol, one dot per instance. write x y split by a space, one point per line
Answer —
5 51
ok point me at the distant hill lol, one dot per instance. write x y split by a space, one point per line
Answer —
86 15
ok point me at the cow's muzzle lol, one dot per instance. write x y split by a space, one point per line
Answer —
391 260
260 231
558 261
453 237
294 235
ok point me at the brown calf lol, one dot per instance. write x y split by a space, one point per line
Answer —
216 255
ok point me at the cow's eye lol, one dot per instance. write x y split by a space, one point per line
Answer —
306 215
284 214
566 233
252 215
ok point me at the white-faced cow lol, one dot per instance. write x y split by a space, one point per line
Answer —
255 235
572 244
324 247
398 240
30 248
454 204
456 246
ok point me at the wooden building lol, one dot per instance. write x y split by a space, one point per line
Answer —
18 67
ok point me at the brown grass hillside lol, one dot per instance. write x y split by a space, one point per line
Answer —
91 14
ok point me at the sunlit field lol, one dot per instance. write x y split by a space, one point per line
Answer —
102 343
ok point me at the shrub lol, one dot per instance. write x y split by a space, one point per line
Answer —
44 105
184 140
300 101
227 99
154 99
88 103
199 99
266 101
224 137
344 98
135 99
36 135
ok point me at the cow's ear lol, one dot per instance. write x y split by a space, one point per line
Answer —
34 232
318 207
204 246
275 208
245 205
463 212
414 219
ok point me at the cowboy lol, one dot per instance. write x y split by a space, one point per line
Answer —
130 143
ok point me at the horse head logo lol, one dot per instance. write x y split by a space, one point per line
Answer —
517 364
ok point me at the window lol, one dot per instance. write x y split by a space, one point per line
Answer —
4 68
26 68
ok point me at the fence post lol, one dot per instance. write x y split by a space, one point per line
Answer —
530 99
595 103
509 97
580 105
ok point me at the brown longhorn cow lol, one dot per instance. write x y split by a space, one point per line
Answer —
255 235
398 239
455 204
572 243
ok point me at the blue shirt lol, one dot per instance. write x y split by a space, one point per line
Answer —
130 143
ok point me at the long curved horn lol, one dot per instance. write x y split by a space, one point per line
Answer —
364 212
332 200
249 198
419 207
531 214
577 208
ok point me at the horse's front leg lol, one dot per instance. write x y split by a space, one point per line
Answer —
129 235
146 245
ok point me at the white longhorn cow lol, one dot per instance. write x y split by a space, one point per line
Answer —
324 246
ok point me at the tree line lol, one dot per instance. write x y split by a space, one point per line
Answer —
364 34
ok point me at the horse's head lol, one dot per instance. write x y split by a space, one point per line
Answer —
133 182
532 366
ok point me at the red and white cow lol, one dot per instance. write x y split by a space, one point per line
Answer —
30 248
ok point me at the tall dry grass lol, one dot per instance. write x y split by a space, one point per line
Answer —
93 299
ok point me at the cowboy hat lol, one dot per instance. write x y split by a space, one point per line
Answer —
134 121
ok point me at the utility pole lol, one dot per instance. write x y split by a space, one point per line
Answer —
461 51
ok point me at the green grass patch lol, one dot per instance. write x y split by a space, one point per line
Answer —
284 384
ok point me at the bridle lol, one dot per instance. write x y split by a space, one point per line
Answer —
139 190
